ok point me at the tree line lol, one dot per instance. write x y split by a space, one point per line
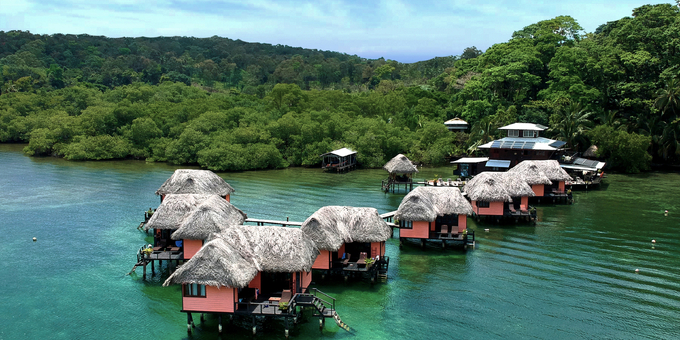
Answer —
231 105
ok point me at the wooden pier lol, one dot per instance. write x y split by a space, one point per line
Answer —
392 185
144 258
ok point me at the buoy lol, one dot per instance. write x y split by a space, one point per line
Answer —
637 270
653 241
487 230
665 213
34 239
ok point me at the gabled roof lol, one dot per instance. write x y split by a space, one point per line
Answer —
426 203
340 152
332 226
455 121
524 126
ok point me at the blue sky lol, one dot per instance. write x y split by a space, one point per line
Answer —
402 30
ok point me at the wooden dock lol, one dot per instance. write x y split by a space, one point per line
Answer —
286 223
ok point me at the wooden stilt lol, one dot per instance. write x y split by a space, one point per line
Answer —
144 272
190 322
254 326
219 323
153 269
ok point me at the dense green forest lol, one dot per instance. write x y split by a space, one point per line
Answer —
230 105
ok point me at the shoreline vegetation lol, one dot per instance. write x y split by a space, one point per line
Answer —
228 105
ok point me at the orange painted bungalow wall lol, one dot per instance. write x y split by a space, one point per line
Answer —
306 280
215 300
191 247
421 229
377 249
228 198
323 261
561 186
494 209
539 189
524 203
462 223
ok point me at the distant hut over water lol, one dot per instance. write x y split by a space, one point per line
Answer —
435 213
401 171
189 181
339 160
499 194
532 174
347 237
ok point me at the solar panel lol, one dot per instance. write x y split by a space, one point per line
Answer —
496 144
586 162
507 145
557 144
528 145
517 145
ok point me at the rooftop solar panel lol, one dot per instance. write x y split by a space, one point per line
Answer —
528 145
517 145
496 144
557 144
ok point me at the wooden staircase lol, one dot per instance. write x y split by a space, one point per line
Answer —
324 308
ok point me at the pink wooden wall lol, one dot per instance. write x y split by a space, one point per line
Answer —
524 203
420 230
494 209
539 189
462 223
227 198
306 280
191 247
341 251
561 186
215 300
377 249
256 282
323 260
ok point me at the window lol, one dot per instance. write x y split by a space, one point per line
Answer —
406 224
513 133
482 204
529 133
194 290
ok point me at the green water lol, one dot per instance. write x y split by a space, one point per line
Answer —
570 276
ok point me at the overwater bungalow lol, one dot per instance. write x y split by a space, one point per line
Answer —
585 172
500 195
189 181
534 171
435 213
212 216
456 125
401 171
171 215
351 241
470 166
253 271
339 160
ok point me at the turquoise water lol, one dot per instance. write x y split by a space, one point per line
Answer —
570 276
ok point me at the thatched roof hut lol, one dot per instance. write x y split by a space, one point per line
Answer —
531 173
188 181
552 169
216 264
211 216
273 249
400 164
591 151
426 203
176 207
332 226
497 186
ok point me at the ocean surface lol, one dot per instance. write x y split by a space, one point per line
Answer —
570 276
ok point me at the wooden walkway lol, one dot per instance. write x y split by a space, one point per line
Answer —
258 221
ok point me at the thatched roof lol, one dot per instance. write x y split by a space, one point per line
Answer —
215 264
400 164
497 186
591 151
531 173
211 216
273 249
171 214
187 181
552 169
426 203
332 226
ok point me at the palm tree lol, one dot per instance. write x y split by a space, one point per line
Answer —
481 133
573 121
668 98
